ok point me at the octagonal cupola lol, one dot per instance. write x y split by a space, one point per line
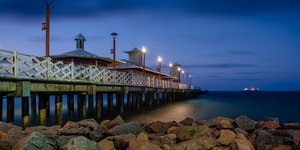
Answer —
80 41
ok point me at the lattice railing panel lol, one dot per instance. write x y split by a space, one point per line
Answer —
6 63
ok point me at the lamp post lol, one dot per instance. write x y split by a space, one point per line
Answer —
190 81
182 76
178 74
159 59
46 26
144 51
171 65
114 36
187 79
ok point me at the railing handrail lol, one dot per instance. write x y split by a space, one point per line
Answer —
18 65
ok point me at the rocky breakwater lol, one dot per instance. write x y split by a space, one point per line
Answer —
219 133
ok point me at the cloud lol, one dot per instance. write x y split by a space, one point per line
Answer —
204 7
219 66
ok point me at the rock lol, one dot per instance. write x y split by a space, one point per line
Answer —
184 133
169 139
122 141
291 126
81 143
13 136
269 125
195 144
51 131
283 147
241 136
2 135
222 123
117 121
5 127
125 128
226 137
265 140
157 127
167 147
240 144
241 131
221 148
63 140
90 123
35 141
105 123
187 121
245 123
99 133
171 130
76 131
296 141
272 119
70 125
142 143
106 145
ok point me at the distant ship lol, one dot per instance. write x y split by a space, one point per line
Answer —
251 89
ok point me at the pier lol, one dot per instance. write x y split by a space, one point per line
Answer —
35 79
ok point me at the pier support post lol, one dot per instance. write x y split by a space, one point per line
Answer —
10 109
25 112
82 106
58 110
33 105
70 103
99 105
129 101
91 105
139 97
42 108
1 106
151 95
120 102
110 102
48 107
157 98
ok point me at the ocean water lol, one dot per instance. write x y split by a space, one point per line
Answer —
256 105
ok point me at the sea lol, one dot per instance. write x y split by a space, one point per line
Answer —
284 105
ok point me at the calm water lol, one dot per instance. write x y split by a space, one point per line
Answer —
257 105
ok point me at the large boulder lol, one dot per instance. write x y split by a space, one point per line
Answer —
142 143
266 140
241 144
245 123
5 127
63 140
184 133
70 125
157 127
222 123
106 145
76 131
51 131
99 133
117 121
90 123
81 143
2 135
204 142
125 128
187 121
36 141
13 136
241 131
269 125
226 137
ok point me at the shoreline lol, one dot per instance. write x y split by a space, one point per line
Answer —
216 133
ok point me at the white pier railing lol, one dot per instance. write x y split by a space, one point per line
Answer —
23 66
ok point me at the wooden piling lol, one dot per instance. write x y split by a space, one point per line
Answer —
42 108
110 102
10 109
1 106
91 105
33 105
120 102
58 110
99 105
25 112
70 103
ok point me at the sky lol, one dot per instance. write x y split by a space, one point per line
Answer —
225 45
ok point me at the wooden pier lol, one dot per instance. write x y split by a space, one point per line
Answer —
34 79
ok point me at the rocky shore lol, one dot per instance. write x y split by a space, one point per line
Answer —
241 133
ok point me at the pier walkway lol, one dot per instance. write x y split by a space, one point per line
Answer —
32 77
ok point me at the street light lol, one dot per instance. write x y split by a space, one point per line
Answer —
178 74
171 65
190 81
182 76
159 59
144 51
114 36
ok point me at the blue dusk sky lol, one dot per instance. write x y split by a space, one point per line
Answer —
224 44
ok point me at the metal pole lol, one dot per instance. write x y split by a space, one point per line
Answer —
144 64
187 79
47 30
114 55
